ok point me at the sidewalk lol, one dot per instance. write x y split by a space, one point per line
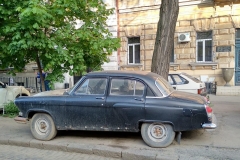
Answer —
115 145
131 146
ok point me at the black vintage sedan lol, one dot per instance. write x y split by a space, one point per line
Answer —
118 101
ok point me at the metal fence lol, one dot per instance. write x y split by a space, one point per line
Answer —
27 82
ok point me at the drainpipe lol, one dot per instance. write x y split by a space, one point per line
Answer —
144 67
118 35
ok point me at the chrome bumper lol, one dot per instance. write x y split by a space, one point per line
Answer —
209 126
20 120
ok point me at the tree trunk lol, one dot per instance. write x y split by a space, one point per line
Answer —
164 42
40 73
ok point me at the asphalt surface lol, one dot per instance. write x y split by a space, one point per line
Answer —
221 143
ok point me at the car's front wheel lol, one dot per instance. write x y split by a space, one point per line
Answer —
43 127
157 134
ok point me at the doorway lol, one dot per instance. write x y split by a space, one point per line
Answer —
237 58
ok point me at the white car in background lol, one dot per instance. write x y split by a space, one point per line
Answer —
9 93
187 83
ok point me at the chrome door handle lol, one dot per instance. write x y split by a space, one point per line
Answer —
102 98
138 99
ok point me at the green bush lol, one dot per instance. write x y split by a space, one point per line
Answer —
11 109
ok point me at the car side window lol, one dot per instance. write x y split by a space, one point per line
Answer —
2 85
126 87
150 93
178 79
139 88
92 86
170 80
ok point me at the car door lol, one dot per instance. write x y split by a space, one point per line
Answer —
86 107
125 104
178 82
3 94
172 82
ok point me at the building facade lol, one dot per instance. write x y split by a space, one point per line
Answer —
113 28
207 37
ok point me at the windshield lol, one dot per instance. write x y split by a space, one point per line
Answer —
192 78
164 87
75 85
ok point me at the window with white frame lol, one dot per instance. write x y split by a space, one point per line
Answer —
134 50
204 46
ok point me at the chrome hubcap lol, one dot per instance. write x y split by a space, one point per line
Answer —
157 132
41 126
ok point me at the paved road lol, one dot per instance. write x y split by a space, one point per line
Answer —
8 152
221 143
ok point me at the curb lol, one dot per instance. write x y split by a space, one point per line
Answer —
99 150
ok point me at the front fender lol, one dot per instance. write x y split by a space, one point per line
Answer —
31 112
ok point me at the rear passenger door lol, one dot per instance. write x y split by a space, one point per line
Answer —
125 102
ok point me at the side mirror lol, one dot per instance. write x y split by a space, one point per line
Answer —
65 93
2 85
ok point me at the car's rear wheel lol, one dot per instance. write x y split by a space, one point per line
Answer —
157 134
43 127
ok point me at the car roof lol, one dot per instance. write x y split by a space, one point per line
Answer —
177 73
137 74
148 77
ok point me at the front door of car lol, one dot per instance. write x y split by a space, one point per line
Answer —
86 107
126 103
3 94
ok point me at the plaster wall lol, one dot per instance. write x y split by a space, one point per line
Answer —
139 18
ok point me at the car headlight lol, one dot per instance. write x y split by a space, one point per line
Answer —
20 114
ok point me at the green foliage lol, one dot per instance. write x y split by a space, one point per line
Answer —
11 109
46 30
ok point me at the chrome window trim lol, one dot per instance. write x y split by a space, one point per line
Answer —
155 97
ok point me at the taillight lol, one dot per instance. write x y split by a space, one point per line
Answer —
199 91
209 112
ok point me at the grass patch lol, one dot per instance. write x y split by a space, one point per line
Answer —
10 110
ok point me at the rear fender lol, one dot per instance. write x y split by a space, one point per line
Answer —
155 121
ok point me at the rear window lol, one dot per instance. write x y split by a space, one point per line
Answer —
192 78
164 87
126 87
